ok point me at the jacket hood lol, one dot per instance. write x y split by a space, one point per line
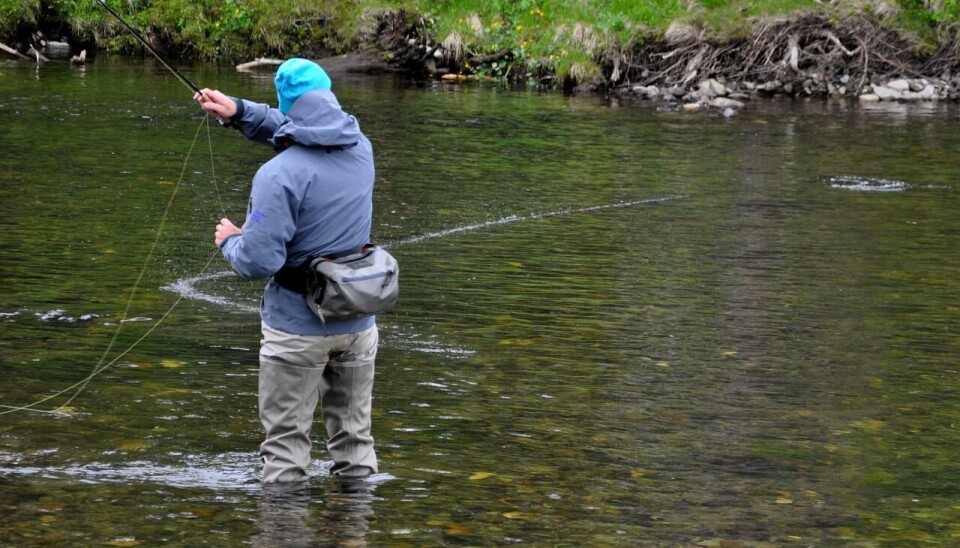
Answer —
316 119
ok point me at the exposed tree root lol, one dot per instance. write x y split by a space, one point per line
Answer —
809 52
810 55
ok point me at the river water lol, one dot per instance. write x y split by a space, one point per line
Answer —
619 325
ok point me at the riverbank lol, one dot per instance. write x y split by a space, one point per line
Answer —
809 55
689 55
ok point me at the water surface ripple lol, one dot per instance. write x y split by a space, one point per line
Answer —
619 326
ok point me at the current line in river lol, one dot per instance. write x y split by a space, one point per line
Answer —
529 217
184 287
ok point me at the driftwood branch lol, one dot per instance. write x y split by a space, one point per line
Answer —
12 51
35 52
693 65
793 53
259 62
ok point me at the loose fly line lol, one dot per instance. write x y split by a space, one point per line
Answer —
102 365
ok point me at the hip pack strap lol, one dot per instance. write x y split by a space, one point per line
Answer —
297 278
293 278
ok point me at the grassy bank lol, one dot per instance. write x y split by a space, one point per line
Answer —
208 29
569 38
572 40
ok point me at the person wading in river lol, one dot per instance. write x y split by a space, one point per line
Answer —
315 197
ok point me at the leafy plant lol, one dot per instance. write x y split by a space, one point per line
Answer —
16 12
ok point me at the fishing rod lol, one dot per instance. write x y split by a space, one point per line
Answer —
143 41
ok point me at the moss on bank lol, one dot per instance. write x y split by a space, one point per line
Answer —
552 43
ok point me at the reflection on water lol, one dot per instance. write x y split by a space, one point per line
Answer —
618 326
284 516
290 515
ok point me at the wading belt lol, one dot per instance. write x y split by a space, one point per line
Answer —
284 143
293 278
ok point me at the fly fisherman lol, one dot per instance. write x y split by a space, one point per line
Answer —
315 197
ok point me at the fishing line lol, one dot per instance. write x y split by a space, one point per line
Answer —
82 383
101 366
133 291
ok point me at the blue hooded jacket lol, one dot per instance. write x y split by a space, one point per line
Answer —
310 199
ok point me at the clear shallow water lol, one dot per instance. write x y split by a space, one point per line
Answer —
618 326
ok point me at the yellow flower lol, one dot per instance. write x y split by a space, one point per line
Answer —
519 27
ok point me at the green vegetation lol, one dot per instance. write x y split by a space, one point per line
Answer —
230 29
558 37
931 21
14 13
552 36
568 37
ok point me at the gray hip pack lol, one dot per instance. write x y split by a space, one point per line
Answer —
353 286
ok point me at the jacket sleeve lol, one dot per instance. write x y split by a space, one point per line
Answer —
257 121
271 222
